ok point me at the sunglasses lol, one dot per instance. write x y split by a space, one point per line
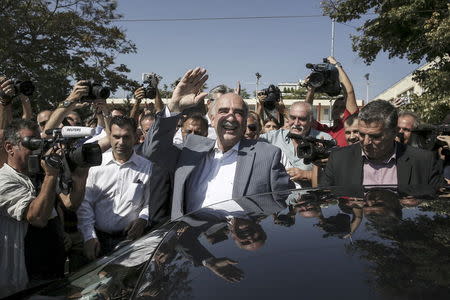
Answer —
252 127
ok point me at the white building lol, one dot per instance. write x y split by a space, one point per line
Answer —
402 88
286 86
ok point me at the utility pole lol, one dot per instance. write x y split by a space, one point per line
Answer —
332 37
367 87
258 76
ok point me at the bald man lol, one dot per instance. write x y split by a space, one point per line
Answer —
241 167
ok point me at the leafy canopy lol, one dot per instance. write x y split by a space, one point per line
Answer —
416 30
54 43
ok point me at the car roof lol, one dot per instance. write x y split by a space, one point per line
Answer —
310 248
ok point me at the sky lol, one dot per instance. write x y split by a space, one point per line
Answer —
233 50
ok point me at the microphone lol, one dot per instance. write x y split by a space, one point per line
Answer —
72 131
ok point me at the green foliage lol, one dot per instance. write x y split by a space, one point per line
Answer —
245 94
416 30
55 43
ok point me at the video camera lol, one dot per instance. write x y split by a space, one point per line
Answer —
273 94
324 78
425 136
86 155
96 91
312 149
150 81
25 87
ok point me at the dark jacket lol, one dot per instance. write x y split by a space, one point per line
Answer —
414 166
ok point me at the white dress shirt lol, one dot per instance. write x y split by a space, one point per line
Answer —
212 181
116 194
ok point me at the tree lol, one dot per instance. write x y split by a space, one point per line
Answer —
245 94
416 30
55 43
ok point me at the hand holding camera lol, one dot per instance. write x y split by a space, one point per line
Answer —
151 81
51 165
9 89
88 91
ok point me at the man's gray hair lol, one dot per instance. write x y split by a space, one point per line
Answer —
407 113
12 131
379 111
220 89
213 110
307 105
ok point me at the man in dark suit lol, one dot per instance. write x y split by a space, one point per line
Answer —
377 158
207 171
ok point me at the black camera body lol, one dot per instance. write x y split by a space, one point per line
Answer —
312 149
24 87
96 91
425 136
150 81
324 78
85 155
273 94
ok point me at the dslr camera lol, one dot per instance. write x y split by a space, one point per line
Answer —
25 87
96 91
73 156
312 149
324 78
273 95
150 81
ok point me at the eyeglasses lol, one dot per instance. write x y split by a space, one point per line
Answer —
252 127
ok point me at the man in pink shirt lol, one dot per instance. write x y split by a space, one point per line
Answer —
377 158
342 108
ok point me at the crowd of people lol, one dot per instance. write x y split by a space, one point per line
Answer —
164 161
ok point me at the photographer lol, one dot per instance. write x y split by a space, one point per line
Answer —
270 105
300 121
342 108
21 206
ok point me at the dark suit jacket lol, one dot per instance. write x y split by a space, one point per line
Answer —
414 166
258 168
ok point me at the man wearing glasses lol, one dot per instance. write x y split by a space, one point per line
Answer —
299 122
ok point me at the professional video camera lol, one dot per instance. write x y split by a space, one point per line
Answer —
25 87
312 149
150 81
324 78
273 95
96 91
424 136
86 155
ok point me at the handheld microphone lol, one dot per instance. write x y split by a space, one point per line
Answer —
72 131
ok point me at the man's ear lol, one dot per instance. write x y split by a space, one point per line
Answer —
8 147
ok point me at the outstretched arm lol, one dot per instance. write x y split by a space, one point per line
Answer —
350 105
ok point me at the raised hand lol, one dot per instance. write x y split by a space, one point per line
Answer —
187 93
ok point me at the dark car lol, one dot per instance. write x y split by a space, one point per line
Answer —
377 243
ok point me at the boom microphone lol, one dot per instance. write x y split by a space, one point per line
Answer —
72 131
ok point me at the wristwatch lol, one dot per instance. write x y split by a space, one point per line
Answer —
65 104
338 64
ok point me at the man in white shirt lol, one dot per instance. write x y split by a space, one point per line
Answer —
207 171
115 206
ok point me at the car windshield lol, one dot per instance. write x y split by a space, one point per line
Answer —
380 241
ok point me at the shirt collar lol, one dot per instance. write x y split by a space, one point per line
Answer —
108 158
234 148
390 159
